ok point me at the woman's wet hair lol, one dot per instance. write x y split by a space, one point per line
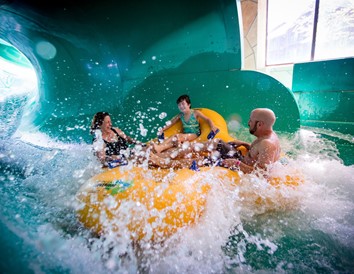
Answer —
97 120
184 97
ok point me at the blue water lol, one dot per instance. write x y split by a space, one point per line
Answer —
306 229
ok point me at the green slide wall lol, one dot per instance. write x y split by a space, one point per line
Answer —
133 59
325 94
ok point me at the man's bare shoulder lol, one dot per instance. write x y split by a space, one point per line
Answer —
269 150
269 142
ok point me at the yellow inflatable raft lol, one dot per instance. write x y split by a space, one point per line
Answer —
218 121
146 204
152 204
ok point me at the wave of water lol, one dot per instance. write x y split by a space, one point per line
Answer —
305 229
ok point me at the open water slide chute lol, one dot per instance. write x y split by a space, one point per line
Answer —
133 59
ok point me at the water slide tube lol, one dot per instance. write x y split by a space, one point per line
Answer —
131 59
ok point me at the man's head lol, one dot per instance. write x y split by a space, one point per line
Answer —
261 121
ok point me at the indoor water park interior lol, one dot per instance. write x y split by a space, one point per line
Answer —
60 63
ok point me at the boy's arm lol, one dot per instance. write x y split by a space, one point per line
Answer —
206 118
170 123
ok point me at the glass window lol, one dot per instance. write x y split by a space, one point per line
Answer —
306 30
335 29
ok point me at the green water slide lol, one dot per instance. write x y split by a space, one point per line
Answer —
133 59
325 94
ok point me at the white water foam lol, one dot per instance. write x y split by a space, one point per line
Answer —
39 184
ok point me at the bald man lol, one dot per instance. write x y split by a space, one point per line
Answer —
261 152
265 149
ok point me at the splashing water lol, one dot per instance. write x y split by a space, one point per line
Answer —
249 228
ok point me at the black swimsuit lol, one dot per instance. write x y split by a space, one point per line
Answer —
114 148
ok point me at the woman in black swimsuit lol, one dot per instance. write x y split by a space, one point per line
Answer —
110 143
